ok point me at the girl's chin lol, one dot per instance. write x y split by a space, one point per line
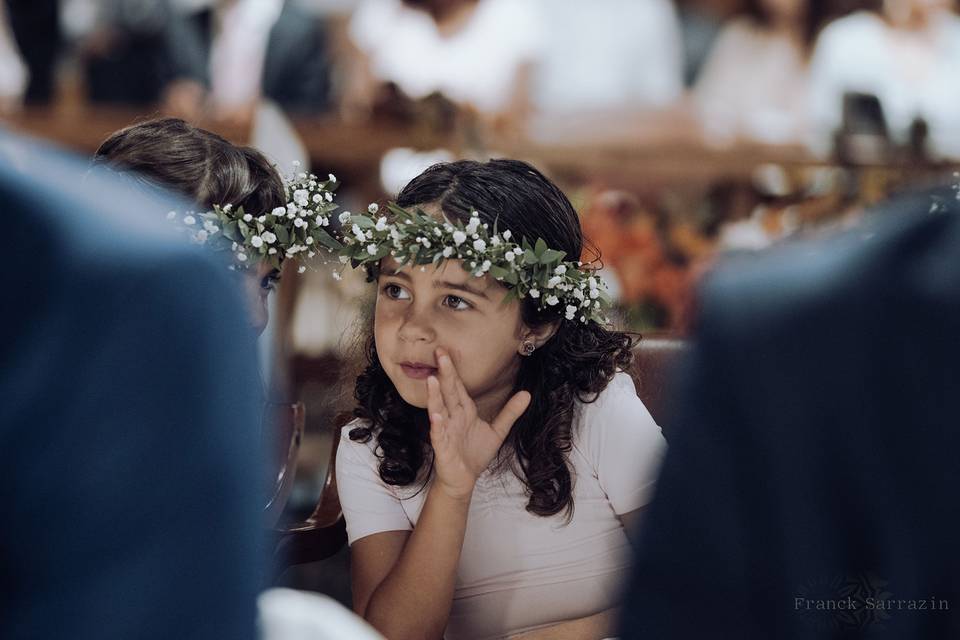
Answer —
413 393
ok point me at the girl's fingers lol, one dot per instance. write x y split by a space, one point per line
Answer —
510 413
448 382
469 407
435 402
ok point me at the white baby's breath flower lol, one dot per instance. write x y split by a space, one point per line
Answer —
227 207
372 249
309 240
507 234
571 311
331 177
552 300
343 217
316 198
369 234
459 237
560 270
344 259
291 208
592 282
310 254
495 241
510 256
480 245
381 224
594 293
200 237
190 220
358 232
268 237
262 219
472 225
534 293
447 252
242 257
301 269
278 211
300 196
272 251
234 247
554 281
171 215
518 252
256 241
486 266
328 196
373 207
578 294
337 276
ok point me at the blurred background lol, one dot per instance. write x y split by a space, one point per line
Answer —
681 130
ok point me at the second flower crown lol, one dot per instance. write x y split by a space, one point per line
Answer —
304 229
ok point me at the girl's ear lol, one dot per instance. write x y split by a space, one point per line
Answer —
540 334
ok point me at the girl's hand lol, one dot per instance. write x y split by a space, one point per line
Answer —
463 443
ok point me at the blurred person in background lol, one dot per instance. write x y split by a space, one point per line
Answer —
35 27
754 85
202 58
818 407
607 55
908 56
128 428
13 72
476 53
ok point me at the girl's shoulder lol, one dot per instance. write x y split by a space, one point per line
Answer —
616 415
357 450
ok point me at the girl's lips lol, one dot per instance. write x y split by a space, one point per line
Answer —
418 372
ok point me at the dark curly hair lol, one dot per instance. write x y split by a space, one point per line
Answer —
576 363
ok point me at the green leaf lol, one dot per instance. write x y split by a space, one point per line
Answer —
283 237
525 245
327 240
244 229
362 221
529 257
551 255
540 248
499 272
231 231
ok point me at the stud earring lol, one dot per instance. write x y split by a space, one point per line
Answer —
527 348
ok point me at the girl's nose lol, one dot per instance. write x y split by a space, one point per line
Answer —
416 326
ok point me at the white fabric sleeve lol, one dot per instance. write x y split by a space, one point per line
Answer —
369 505
624 444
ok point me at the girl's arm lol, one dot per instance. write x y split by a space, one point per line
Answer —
404 582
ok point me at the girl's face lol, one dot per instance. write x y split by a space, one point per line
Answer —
422 308
257 285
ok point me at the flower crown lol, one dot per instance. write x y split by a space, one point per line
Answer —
285 232
413 237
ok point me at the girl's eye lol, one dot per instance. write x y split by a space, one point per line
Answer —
268 283
456 302
395 292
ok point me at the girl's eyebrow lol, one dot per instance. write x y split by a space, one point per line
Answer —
460 287
441 284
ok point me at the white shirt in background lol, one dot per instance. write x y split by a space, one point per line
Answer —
608 54
914 74
477 65
754 86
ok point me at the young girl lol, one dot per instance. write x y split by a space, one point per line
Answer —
200 165
499 452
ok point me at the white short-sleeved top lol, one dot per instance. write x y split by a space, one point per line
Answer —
519 571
